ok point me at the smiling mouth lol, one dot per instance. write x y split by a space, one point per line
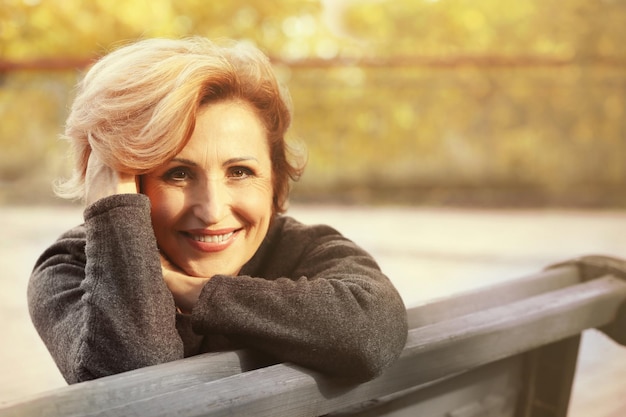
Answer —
211 238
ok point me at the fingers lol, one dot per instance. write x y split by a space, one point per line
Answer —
102 181
184 288
127 184
99 180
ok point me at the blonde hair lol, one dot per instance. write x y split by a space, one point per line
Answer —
136 107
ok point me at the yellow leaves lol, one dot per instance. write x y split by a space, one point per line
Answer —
76 27
31 113
458 116
473 20
487 26
614 107
404 117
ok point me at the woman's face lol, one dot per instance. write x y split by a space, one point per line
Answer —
212 203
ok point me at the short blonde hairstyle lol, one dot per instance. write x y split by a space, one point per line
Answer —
136 107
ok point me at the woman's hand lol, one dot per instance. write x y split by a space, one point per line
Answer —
102 181
185 289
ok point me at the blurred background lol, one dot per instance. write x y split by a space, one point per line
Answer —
449 102
478 140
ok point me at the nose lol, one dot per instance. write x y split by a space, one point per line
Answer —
211 201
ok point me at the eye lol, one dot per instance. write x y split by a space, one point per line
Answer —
178 174
240 172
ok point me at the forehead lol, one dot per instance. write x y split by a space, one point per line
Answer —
227 127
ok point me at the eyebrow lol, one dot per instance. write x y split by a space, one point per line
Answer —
230 161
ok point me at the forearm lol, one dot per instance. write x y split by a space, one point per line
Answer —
55 301
111 310
124 272
350 327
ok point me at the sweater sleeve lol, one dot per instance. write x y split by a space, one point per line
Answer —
97 297
328 307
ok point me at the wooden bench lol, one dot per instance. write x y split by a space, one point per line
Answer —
506 350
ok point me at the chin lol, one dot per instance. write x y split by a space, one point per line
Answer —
208 272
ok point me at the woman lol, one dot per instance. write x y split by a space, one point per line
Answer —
183 166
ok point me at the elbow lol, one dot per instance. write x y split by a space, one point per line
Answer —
376 355
372 349
365 363
364 368
382 336
79 374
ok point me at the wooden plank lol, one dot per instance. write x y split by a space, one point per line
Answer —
492 390
148 382
549 377
155 380
432 352
493 296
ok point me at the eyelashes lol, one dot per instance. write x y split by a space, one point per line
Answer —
184 174
241 172
177 174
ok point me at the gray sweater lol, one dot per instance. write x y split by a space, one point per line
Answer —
308 296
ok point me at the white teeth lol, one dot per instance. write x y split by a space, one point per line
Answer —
212 238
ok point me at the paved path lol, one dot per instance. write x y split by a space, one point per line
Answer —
428 254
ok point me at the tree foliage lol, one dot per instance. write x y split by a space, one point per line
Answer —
415 95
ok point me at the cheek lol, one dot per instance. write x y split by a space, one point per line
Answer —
165 206
254 206
162 217
258 199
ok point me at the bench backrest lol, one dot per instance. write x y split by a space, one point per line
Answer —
501 333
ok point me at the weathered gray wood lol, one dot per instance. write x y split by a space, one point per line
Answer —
490 390
117 390
549 375
433 352
152 381
493 296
